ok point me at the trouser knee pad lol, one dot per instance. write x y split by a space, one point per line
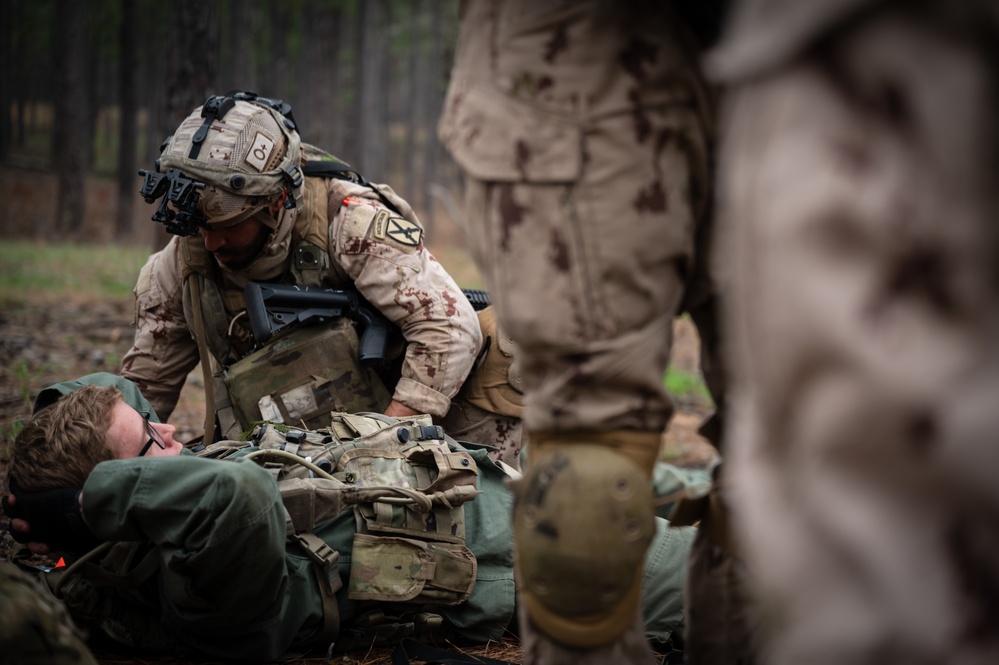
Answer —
582 522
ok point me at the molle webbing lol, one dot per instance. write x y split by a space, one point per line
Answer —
406 484
310 265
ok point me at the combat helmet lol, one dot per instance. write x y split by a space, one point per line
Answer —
229 159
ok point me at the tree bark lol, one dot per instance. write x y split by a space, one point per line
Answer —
8 75
275 82
242 25
436 78
128 182
70 31
415 105
323 55
191 67
371 84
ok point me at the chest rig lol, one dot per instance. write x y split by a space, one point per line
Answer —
302 375
406 484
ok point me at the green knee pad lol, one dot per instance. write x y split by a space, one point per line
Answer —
582 522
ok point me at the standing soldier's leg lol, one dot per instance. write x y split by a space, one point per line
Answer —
861 196
587 276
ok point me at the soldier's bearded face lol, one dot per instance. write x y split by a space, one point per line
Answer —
236 246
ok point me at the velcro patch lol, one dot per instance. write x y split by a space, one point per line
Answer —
378 224
260 151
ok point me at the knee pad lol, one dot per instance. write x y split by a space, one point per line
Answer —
583 519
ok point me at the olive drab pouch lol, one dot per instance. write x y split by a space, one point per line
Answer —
303 376
406 483
495 385
406 569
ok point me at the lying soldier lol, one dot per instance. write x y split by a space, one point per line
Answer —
212 560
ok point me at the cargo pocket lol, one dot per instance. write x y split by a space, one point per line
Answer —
494 137
402 570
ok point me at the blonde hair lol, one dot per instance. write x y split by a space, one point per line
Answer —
62 443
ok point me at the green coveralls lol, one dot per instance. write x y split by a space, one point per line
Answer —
230 584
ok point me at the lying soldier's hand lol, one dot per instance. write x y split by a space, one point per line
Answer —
49 520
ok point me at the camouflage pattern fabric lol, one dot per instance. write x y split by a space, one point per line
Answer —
584 130
395 273
562 158
280 383
859 181
35 628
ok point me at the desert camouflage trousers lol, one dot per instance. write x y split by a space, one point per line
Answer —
860 205
35 627
587 277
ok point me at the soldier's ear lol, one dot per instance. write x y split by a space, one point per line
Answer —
275 208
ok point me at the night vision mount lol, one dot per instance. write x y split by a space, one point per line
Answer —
175 188
182 192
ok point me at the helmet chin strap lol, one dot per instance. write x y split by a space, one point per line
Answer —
293 174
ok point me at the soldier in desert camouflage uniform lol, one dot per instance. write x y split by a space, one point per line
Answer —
584 130
35 628
859 171
260 220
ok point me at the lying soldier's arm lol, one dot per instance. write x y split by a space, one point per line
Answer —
219 530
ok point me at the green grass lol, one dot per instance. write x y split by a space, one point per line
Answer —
29 269
687 387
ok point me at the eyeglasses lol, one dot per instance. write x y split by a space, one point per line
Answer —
154 437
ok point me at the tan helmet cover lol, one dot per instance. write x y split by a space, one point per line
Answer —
248 157
582 522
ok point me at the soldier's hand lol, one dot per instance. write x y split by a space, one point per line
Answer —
399 410
48 520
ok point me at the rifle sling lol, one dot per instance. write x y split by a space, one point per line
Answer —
206 360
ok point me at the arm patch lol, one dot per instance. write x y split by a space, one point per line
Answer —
398 229
366 225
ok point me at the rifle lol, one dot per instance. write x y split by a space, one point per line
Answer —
272 308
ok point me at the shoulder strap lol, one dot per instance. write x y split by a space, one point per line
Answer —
344 171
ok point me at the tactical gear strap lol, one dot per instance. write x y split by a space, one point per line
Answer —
343 171
215 108
194 281
328 576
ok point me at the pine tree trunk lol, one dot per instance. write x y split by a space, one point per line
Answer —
70 97
128 182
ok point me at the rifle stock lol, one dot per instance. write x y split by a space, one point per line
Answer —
272 308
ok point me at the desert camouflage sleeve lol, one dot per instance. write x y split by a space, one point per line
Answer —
163 351
383 253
